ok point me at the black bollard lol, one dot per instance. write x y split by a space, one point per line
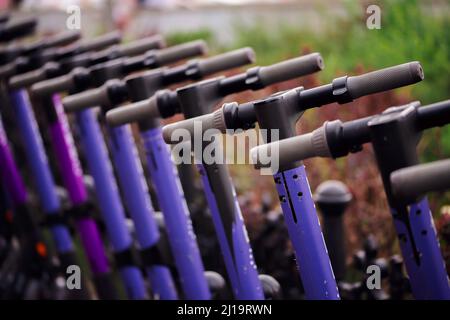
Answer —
332 198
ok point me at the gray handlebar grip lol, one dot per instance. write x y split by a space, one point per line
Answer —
180 52
140 46
62 39
28 78
7 70
213 120
291 69
101 42
385 79
58 84
86 99
132 112
229 60
298 148
50 86
410 183
17 27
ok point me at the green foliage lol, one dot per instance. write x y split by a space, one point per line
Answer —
180 37
408 32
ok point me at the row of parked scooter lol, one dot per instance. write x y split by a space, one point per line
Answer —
104 86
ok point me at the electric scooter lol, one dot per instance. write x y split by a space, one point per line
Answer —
36 55
70 168
394 135
200 98
278 114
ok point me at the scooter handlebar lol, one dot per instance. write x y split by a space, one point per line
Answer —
140 46
180 52
385 79
214 120
293 149
86 99
412 182
58 84
29 78
62 39
15 28
101 42
133 112
228 60
291 69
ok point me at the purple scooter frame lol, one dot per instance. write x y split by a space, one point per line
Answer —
199 99
428 281
179 226
19 197
244 279
137 198
39 164
130 174
394 135
304 227
113 214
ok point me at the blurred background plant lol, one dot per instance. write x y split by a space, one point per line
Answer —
410 30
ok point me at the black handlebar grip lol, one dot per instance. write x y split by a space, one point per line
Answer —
410 183
434 115
180 52
136 111
27 79
58 84
214 120
297 148
16 28
140 46
86 99
101 42
229 60
291 69
62 39
385 79
8 70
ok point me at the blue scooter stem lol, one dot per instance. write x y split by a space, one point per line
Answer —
108 197
39 164
19 196
429 279
237 254
136 194
306 236
176 215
